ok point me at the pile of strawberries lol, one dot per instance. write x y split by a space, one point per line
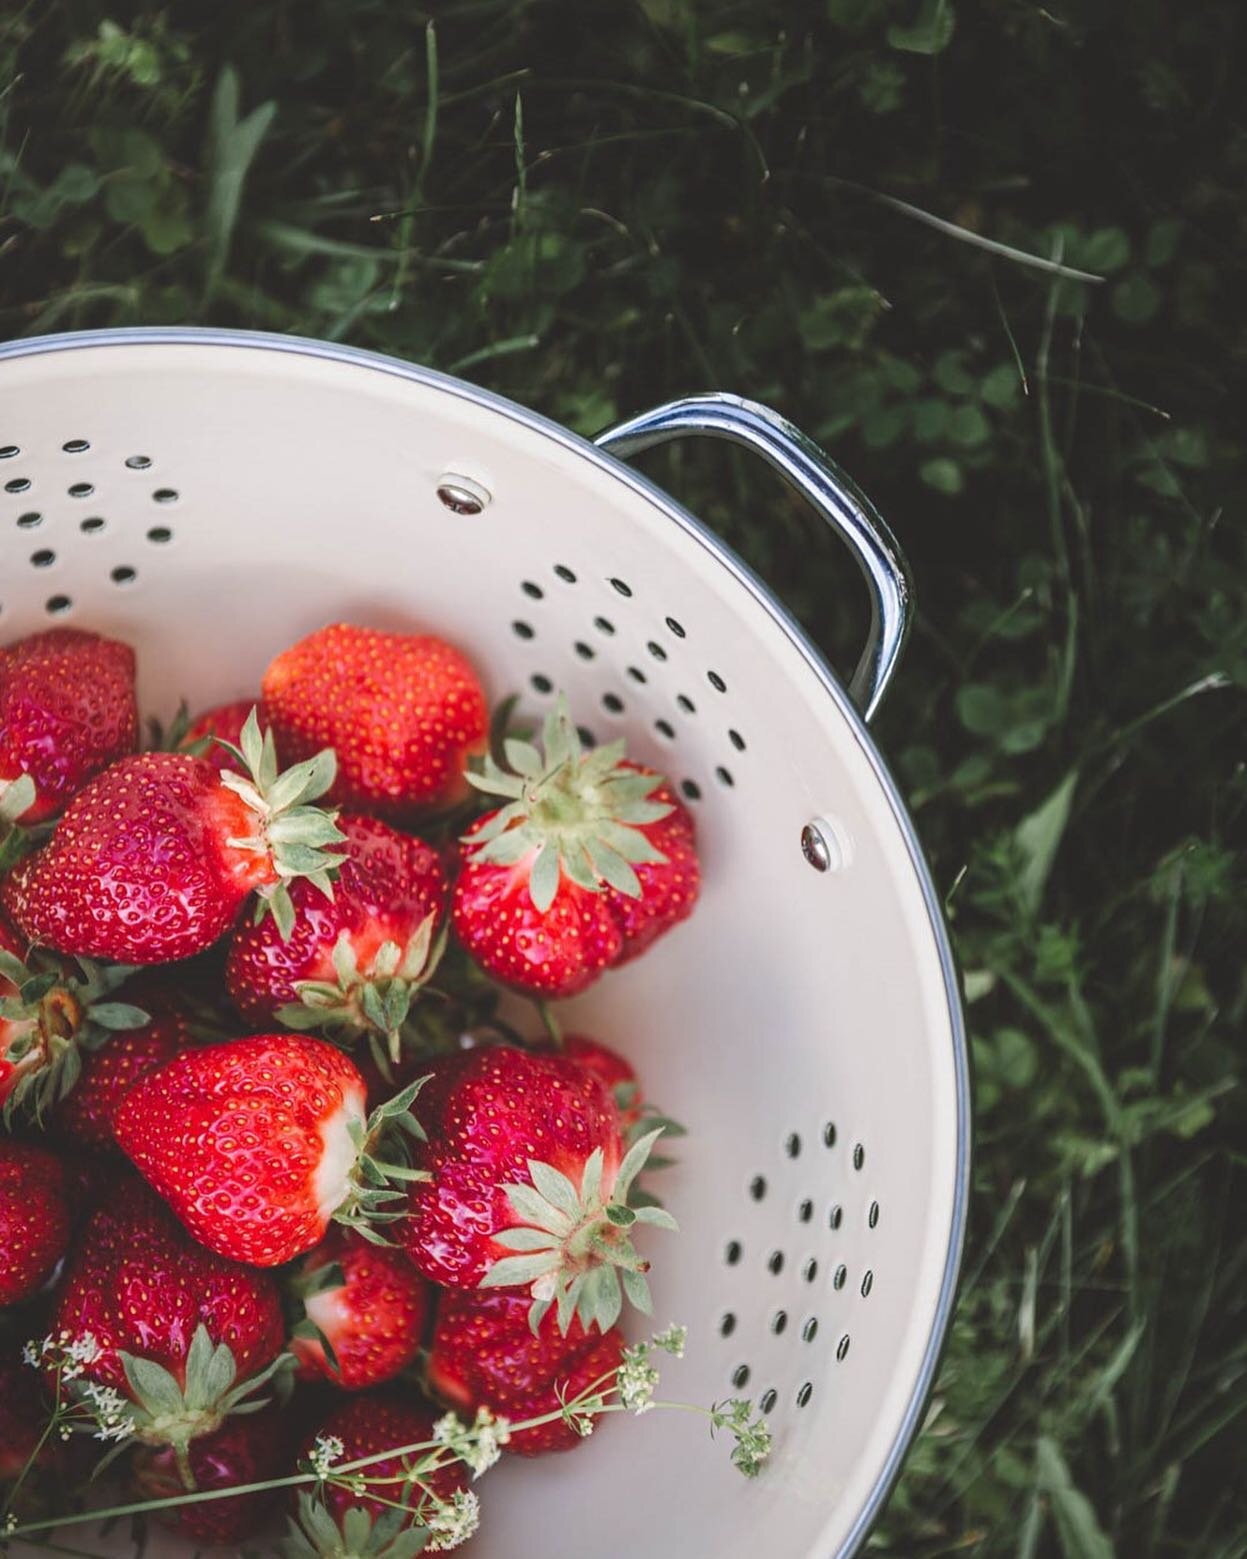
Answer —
286 1169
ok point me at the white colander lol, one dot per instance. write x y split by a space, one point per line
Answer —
211 496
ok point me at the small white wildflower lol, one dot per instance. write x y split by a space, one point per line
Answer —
84 1349
32 1354
672 1340
489 1435
449 1430
111 1411
453 1521
637 1379
477 1445
326 1449
10 1524
752 1434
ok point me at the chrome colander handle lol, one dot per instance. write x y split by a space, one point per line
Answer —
809 471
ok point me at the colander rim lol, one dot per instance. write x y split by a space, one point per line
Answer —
189 335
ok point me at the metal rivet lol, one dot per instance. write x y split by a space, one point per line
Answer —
461 495
825 845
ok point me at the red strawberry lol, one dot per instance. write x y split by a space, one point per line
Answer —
637 1115
259 1142
669 887
484 1354
588 862
34 1218
352 964
225 721
612 1071
246 1449
363 1426
155 858
368 1301
402 712
67 710
86 1117
207 1333
529 1185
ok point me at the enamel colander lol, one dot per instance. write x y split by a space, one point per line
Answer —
211 496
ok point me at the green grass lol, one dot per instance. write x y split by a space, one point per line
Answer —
882 221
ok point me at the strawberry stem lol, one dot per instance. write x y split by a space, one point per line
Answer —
56 1015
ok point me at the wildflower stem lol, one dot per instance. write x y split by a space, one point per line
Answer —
430 1455
53 1420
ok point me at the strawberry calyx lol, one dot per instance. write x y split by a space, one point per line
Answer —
316 1535
49 1020
161 1410
374 1001
291 834
17 796
567 811
573 1247
382 1165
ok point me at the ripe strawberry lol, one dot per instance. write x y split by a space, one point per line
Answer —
367 1302
351 965
363 1426
34 1218
588 862
184 1336
669 887
402 712
529 1185
86 1116
155 858
616 1075
484 1354
247 1449
226 722
259 1142
67 710
637 1115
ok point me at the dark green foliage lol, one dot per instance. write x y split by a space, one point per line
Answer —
857 211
